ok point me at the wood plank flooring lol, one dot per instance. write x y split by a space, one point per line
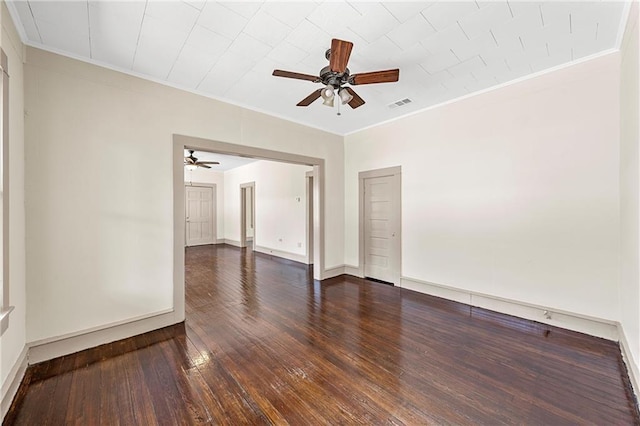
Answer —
265 344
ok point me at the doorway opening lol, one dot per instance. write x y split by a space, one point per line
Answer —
247 215
314 219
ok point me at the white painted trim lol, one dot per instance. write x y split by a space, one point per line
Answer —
234 243
334 271
13 381
283 254
623 24
353 270
6 196
4 313
45 349
179 231
598 327
632 367
17 23
308 217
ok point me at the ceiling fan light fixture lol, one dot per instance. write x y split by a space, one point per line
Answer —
327 93
345 96
190 167
328 101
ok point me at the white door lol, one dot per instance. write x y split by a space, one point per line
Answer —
199 214
382 229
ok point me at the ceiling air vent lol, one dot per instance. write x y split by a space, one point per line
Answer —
399 103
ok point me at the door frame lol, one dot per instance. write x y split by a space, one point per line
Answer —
309 215
214 210
243 213
182 142
396 173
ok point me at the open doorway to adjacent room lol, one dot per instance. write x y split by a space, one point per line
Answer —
247 215
269 202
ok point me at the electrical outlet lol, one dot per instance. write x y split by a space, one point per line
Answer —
280 239
299 245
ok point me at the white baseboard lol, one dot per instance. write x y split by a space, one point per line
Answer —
14 379
231 242
283 254
334 271
353 270
46 349
627 357
584 324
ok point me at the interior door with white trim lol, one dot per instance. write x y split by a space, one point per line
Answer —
199 215
381 229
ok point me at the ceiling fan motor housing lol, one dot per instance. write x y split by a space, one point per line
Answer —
330 78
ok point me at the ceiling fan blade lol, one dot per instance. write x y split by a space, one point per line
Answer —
296 75
203 165
340 52
309 99
387 76
356 101
189 160
207 162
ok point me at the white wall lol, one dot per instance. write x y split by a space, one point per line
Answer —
512 193
100 230
201 175
279 216
12 341
630 188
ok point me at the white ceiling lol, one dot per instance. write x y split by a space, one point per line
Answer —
227 162
227 50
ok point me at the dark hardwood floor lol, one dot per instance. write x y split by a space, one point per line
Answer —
265 344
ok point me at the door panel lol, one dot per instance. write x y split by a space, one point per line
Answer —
199 214
381 223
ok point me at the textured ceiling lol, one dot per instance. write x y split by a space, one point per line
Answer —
227 50
227 162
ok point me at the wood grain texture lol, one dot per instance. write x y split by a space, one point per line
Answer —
386 76
309 99
340 53
357 101
265 344
295 75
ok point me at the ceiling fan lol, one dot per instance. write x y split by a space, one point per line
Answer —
192 162
337 74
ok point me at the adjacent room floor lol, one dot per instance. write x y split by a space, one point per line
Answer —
265 344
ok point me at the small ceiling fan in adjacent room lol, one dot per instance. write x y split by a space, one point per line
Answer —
336 75
192 163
